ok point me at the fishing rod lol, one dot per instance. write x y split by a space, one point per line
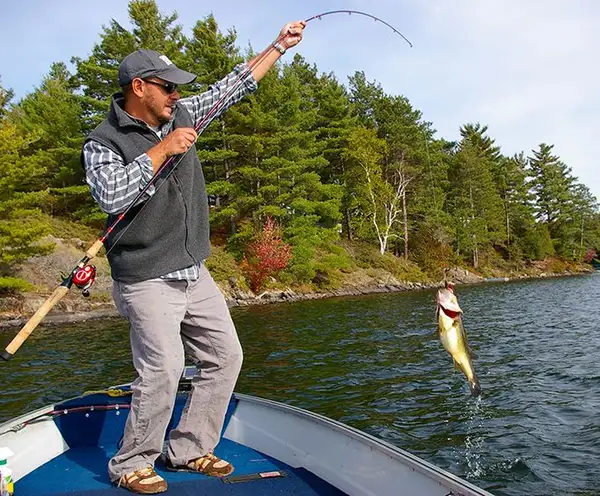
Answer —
84 273
358 12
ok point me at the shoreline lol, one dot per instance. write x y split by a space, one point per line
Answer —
234 299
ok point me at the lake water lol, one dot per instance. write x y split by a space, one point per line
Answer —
374 362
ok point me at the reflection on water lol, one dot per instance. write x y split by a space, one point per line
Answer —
375 363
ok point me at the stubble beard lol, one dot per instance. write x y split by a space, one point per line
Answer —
157 111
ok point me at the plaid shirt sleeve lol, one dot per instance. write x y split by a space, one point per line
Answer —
113 183
240 82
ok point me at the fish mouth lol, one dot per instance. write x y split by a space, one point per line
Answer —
450 313
447 302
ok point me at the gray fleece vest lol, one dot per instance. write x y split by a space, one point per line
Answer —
170 231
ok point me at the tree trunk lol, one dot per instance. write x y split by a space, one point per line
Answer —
405 224
507 222
382 245
347 228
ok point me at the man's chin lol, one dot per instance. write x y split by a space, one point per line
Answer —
166 116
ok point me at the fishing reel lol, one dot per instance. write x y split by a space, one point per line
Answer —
84 277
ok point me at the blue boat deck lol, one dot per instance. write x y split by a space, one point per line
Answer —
93 437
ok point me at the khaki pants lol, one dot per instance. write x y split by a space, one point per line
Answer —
167 318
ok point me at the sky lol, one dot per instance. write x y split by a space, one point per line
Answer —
527 69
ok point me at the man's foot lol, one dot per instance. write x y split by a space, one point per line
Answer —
208 464
143 481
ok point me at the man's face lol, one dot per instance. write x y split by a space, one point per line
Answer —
159 98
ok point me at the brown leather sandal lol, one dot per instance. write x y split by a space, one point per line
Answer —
209 464
143 481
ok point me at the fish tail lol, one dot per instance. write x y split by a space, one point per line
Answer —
474 386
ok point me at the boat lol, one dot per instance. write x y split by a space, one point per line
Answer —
277 449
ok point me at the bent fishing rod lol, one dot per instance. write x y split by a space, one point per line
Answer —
84 273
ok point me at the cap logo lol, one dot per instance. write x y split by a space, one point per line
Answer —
165 59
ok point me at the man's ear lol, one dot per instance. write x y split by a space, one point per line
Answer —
137 87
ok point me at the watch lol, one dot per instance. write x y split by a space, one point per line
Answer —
279 48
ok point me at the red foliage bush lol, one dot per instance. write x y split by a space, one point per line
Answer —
267 255
590 255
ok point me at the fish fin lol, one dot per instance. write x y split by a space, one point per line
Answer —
456 366
472 353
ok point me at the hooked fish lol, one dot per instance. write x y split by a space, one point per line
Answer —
453 336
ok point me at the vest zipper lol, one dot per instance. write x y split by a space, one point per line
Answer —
185 209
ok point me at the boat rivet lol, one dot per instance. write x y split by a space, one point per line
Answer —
87 415
91 409
118 413
65 411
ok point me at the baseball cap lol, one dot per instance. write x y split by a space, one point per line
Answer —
146 63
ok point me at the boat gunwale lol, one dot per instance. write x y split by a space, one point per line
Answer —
394 452
17 423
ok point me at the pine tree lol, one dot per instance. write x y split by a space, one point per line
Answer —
474 203
510 175
20 224
551 184
212 55
584 209
52 114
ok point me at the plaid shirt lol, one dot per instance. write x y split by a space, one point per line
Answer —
114 184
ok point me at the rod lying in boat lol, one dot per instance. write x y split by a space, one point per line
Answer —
453 336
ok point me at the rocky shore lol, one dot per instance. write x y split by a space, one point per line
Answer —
16 310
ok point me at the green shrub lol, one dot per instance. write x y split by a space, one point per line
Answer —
65 229
222 266
14 285
236 244
328 279
369 257
431 249
557 266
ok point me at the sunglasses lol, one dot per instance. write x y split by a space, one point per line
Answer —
168 87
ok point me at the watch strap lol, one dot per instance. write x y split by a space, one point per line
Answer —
279 47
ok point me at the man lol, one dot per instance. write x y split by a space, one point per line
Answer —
156 255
